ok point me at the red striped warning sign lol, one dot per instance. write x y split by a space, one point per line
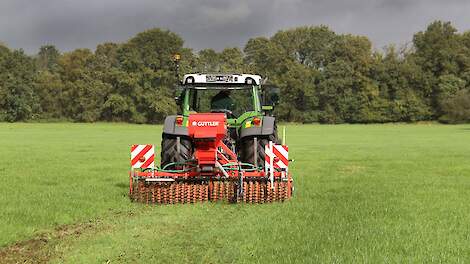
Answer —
279 154
142 156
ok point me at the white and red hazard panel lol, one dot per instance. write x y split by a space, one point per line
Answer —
277 157
142 156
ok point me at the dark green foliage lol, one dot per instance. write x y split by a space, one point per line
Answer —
49 87
457 108
322 76
47 58
17 99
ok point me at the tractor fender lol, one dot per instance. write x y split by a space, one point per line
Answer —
170 128
267 128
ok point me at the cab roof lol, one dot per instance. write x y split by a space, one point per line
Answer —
221 80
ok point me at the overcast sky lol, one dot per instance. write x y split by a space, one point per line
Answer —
71 24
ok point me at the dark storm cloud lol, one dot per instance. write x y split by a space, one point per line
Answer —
28 24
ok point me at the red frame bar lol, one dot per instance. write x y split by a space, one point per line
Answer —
193 174
221 158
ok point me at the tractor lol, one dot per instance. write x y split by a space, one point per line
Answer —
222 146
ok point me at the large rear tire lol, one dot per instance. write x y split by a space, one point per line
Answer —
175 149
252 155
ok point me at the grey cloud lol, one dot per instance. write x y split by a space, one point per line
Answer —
68 24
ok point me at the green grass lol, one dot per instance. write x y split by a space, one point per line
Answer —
364 193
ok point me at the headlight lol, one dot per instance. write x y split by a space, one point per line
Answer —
190 80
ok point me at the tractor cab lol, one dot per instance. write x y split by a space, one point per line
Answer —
237 96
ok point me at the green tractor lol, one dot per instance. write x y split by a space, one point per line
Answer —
246 104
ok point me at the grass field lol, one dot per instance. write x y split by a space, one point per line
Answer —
364 193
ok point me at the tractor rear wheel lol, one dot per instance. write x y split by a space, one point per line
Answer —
175 149
255 155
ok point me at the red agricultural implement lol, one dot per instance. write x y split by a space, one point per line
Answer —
213 174
222 146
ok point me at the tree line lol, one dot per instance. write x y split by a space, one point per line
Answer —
323 77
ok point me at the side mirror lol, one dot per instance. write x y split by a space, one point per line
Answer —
274 98
270 95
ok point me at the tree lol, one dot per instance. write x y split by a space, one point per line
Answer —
83 95
265 57
208 60
438 49
17 99
47 58
146 75
309 46
323 77
456 108
231 60
48 87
